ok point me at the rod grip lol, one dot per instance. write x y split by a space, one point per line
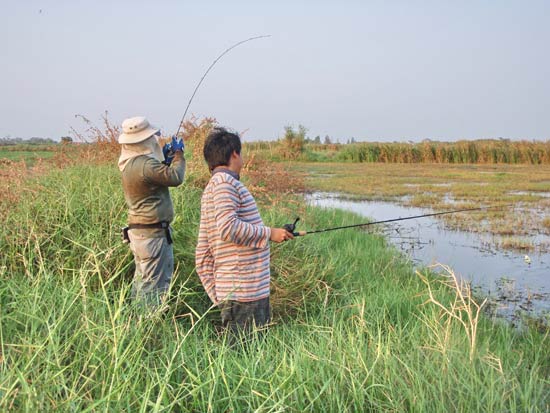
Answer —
299 233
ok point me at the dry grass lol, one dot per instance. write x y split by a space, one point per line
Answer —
482 151
99 145
271 181
516 244
267 180
520 191
194 135
14 181
463 309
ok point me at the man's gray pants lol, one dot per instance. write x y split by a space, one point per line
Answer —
154 258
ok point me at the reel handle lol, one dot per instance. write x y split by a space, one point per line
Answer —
291 227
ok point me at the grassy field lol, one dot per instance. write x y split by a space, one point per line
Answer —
524 189
29 154
355 329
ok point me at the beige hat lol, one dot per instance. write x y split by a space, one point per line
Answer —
136 130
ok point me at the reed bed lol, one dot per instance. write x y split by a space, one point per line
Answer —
481 151
460 152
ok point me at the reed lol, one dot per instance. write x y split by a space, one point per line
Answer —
482 151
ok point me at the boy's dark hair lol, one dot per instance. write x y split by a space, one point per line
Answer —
218 147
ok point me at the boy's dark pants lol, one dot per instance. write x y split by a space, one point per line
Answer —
240 317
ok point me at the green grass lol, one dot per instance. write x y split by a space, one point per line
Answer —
480 151
30 157
351 332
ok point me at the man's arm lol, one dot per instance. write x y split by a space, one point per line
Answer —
204 262
158 173
226 204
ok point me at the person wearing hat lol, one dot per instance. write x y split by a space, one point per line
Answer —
147 172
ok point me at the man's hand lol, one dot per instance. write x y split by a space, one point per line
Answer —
280 235
169 149
177 144
168 153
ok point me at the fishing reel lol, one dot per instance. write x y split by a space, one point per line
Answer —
292 227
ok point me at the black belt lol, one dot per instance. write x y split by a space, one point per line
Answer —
162 225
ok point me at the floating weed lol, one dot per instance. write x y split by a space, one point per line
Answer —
514 243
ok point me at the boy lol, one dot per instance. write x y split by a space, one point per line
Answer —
232 254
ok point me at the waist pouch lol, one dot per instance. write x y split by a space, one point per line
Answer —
163 225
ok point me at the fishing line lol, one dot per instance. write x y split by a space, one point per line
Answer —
208 70
302 233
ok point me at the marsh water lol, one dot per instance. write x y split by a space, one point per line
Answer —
515 283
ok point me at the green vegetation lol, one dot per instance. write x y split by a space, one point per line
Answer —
29 153
25 155
355 328
479 151
482 151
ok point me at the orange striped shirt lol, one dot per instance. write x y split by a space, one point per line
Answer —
232 254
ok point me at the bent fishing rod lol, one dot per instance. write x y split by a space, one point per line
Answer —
208 70
291 227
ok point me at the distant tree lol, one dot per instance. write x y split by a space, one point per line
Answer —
327 140
36 140
66 139
317 139
293 142
353 140
302 132
32 141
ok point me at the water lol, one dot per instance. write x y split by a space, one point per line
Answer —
541 194
513 285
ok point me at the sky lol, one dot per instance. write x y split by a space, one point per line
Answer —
368 70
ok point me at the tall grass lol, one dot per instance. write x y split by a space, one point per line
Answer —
483 151
350 332
488 151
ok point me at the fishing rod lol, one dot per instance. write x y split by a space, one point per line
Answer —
291 227
208 70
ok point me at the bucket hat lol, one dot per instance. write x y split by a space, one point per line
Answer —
136 129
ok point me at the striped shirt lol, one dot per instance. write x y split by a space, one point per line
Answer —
232 254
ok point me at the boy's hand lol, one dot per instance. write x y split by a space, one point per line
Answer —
280 235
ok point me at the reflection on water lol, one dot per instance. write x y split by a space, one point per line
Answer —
506 276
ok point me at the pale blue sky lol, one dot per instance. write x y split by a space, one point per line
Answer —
376 70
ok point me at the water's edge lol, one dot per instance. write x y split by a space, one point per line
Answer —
515 284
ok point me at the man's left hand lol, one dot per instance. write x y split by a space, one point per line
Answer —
168 153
